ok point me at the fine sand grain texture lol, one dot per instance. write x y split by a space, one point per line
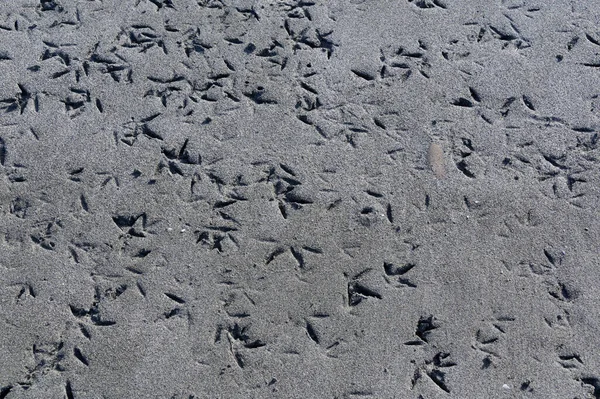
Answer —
345 199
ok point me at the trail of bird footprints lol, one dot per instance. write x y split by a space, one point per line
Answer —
347 199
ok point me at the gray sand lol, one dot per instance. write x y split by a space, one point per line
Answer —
295 199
